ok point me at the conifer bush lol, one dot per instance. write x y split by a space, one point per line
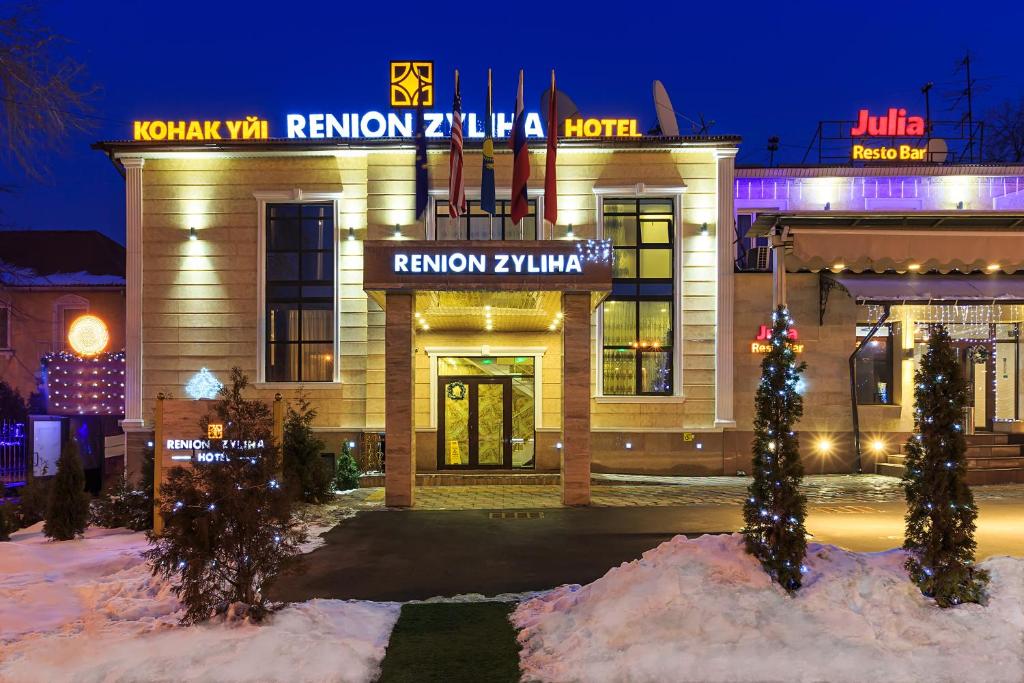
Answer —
229 530
125 505
67 508
941 514
346 476
307 475
775 509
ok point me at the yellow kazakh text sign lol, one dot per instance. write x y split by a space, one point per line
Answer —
251 128
601 128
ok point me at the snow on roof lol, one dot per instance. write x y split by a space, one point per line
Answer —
13 276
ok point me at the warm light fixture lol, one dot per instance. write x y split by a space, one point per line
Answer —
398 231
351 234
88 335
993 267
878 446
838 265
704 229
914 266
824 446
192 236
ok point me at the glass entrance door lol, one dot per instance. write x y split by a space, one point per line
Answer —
474 422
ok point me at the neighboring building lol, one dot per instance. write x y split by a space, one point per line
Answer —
48 278
900 247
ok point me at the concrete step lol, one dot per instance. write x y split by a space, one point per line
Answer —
987 438
889 469
896 459
994 462
1007 475
1009 450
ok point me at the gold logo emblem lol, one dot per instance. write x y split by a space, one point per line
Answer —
412 84
214 431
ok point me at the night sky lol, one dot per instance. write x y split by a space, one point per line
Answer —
755 69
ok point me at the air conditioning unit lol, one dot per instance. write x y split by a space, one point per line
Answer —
759 259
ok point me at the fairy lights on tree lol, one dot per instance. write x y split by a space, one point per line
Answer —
775 509
941 514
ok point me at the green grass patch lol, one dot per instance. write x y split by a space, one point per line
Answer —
452 642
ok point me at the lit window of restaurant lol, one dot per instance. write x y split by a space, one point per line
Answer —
476 224
638 315
874 366
300 293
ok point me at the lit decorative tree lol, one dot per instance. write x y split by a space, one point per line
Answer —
775 509
940 507
229 531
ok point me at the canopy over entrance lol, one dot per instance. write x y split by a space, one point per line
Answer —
944 242
928 288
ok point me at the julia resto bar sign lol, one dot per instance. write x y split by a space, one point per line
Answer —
572 265
895 123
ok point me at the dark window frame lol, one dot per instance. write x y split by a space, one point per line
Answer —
889 363
638 295
502 211
299 301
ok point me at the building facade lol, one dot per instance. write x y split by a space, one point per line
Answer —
255 255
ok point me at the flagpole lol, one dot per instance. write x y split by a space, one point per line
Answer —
490 214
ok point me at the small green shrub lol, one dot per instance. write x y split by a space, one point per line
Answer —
347 472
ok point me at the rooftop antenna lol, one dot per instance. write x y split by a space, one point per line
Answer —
773 147
926 91
667 123
704 127
565 108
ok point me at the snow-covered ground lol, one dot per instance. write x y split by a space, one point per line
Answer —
703 610
88 610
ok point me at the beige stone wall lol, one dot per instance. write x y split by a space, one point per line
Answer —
200 299
827 348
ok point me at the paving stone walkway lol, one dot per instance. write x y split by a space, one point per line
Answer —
645 491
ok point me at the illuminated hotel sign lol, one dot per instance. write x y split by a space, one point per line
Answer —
598 128
375 124
763 342
251 128
498 264
412 84
895 123
207 450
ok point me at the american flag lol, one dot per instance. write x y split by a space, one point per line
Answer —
456 183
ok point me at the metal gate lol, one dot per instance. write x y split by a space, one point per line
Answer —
13 453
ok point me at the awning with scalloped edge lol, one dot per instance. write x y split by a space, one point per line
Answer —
873 288
943 242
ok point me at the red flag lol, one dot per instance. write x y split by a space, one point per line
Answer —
550 182
456 183
520 159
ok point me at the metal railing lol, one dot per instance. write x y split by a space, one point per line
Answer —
13 453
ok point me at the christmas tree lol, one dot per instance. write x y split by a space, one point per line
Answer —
306 473
775 509
940 508
67 508
346 476
228 529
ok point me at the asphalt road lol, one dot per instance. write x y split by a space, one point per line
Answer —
414 555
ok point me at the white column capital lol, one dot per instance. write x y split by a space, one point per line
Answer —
132 162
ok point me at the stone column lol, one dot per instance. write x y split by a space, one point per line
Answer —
725 233
399 389
576 398
133 419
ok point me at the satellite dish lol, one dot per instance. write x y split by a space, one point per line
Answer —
938 150
666 114
565 108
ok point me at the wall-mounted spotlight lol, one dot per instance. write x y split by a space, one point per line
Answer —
828 206
192 236
569 234
398 231
629 445
704 229
351 234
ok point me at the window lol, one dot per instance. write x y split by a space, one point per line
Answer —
66 310
638 316
475 224
873 369
752 253
300 292
5 326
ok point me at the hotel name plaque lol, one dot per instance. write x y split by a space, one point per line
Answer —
570 265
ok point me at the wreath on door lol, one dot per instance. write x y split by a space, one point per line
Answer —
978 354
456 391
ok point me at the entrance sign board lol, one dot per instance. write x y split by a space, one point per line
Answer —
565 265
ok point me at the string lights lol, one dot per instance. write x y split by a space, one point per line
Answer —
84 386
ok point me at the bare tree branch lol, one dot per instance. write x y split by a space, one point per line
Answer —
42 99
1004 132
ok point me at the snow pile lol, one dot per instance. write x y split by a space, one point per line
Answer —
89 610
703 610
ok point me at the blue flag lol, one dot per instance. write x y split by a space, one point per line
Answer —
487 174
422 180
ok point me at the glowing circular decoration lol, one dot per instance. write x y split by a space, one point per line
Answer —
88 335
